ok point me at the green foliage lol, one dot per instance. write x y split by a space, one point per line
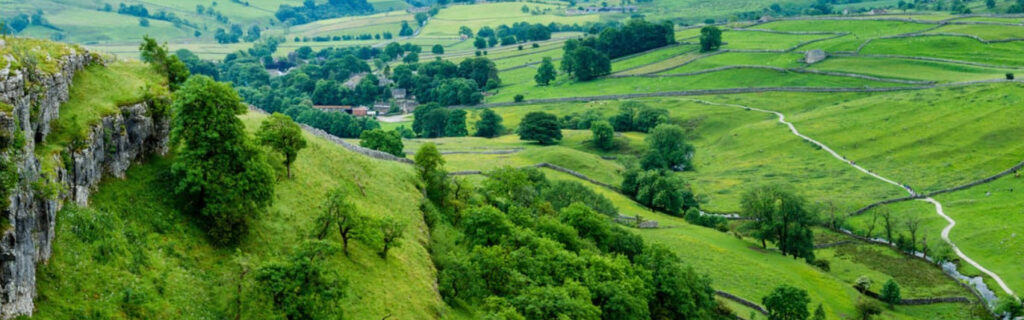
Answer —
678 291
694 216
385 232
819 313
437 49
283 135
430 167
667 149
659 190
430 120
603 135
303 286
710 38
890 293
541 127
339 211
787 303
545 73
867 309
562 193
781 218
220 174
385 141
1010 307
571 301
507 187
456 124
169 65
486 226
862 284
586 63
489 125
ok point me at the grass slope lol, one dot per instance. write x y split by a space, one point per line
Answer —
132 254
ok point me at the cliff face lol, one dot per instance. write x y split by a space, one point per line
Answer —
111 147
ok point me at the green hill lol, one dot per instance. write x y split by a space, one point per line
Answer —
132 254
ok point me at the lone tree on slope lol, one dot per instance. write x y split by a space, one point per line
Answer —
283 135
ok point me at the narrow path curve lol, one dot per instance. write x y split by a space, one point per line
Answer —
938 206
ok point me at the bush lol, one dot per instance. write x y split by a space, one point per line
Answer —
822 264
535 45
1009 76
519 98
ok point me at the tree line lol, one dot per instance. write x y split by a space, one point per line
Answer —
589 58
311 11
522 247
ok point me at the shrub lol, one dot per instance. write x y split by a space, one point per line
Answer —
822 264
1009 76
519 98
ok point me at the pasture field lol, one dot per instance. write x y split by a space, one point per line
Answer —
956 48
860 31
778 60
448 21
909 69
162 258
739 78
758 40
905 135
987 32
648 58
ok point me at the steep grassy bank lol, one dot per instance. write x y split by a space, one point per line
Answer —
132 254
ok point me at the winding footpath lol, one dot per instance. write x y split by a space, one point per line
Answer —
938 206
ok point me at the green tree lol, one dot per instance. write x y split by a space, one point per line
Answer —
387 233
421 18
603 135
787 303
710 38
679 292
667 149
545 73
338 211
430 168
429 120
890 293
489 125
220 173
781 218
867 309
170 66
456 125
819 313
411 57
991 4
437 49
541 127
384 141
588 64
480 43
659 189
570 301
486 226
283 135
1010 306
302 287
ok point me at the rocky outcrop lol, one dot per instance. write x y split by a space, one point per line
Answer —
111 146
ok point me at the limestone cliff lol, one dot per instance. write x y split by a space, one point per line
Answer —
32 100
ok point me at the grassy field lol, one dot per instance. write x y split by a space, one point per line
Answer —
154 262
758 40
652 57
778 60
861 30
956 48
986 32
522 83
448 21
909 69
905 136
